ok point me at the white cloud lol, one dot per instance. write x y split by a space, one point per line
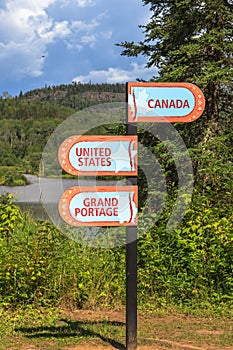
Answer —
27 30
85 3
13 53
84 26
78 39
35 32
117 75
34 6
106 34
59 30
88 39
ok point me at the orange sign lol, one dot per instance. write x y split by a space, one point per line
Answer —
99 155
100 206
164 102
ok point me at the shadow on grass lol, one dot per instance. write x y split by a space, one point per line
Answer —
68 329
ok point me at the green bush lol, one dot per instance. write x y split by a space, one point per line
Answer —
191 265
10 216
39 265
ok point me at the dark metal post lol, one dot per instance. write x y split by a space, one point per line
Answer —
131 265
131 288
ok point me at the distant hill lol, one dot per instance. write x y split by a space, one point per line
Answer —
28 119
77 95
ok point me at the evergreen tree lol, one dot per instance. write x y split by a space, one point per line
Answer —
191 40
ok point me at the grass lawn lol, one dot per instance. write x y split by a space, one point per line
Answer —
56 329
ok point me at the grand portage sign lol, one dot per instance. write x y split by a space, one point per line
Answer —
100 206
164 102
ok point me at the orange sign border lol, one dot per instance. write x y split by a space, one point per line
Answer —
64 204
63 154
192 116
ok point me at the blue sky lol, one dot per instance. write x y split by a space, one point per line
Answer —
51 42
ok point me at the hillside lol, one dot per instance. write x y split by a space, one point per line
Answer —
28 120
78 95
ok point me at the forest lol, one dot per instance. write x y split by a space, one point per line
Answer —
28 120
190 267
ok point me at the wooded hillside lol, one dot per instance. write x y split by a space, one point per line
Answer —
29 119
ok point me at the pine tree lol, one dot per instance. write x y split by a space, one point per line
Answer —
191 40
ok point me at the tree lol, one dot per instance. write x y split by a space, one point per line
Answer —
191 40
6 94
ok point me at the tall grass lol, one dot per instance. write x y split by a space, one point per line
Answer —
41 266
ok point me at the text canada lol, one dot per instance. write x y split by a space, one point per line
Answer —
162 103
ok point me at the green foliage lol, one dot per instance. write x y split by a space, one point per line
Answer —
23 141
214 168
77 95
38 265
191 41
187 39
28 120
189 266
10 216
192 264
12 177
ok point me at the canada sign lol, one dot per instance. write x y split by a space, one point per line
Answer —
164 102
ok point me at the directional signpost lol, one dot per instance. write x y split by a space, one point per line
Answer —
117 155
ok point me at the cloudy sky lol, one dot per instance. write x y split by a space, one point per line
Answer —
50 42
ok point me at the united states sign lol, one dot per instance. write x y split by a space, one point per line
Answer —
164 102
99 155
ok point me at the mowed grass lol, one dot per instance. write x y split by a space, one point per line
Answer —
55 329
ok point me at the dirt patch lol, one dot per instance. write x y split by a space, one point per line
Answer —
87 347
206 331
177 332
98 316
